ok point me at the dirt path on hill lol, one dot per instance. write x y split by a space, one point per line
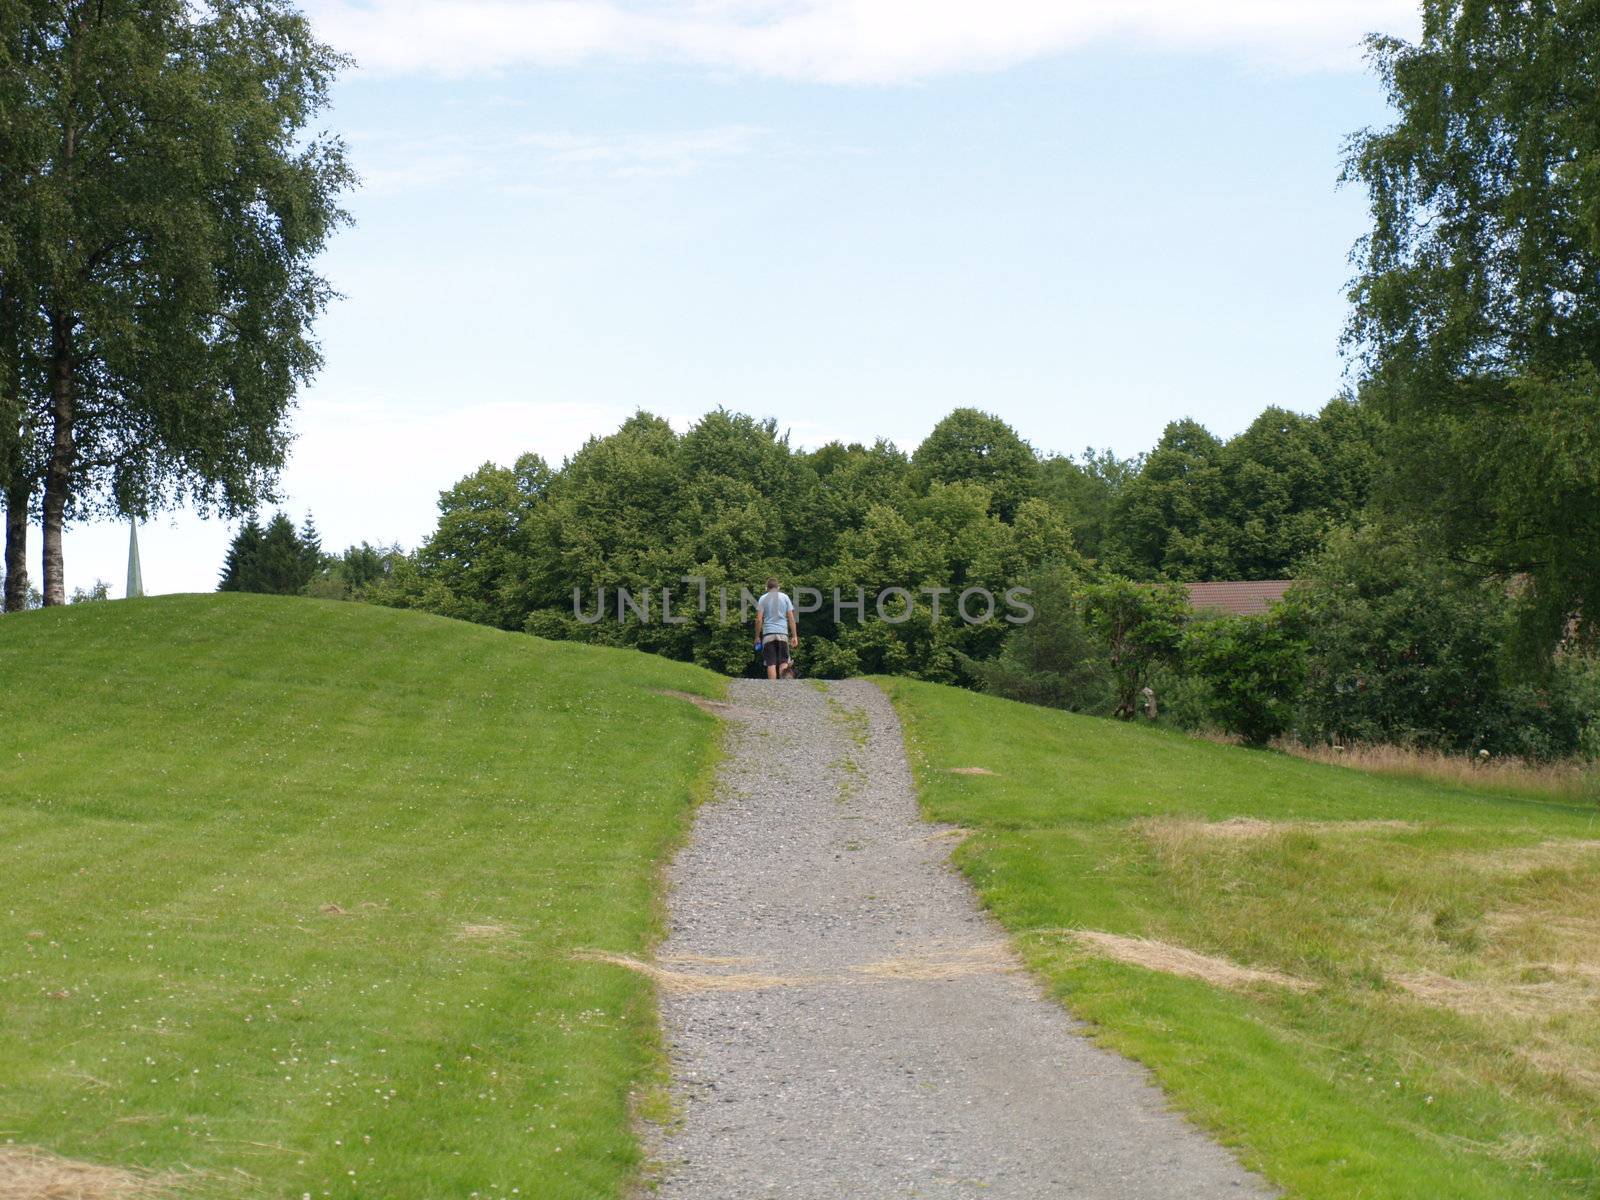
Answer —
845 1023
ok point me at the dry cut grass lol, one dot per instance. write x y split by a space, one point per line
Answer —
1161 956
1170 831
1499 997
1561 781
687 973
984 958
671 980
27 1173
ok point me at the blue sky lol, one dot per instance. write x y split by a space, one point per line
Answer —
852 215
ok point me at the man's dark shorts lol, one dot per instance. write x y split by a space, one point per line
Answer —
775 653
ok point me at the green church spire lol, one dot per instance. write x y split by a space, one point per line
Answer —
135 575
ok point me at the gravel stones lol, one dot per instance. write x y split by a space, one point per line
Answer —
845 1022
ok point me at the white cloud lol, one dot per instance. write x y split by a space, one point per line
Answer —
838 41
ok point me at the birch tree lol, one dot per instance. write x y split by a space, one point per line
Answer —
167 231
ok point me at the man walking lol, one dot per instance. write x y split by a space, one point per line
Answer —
776 629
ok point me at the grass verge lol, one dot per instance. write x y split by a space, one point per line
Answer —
1372 987
292 891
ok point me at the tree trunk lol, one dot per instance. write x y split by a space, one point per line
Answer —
14 451
63 322
58 476
16 595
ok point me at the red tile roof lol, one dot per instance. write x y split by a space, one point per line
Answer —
1244 598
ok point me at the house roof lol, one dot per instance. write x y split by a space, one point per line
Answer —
1242 598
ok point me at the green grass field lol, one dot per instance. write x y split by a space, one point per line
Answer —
1448 1045
290 891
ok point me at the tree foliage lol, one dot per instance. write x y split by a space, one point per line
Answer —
1381 642
1098 642
1253 668
1140 628
1085 491
1476 309
730 502
1248 508
276 559
970 446
165 204
1403 648
1053 660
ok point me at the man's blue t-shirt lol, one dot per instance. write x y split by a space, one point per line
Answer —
774 609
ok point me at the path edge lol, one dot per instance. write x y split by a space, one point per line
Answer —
1248 1160
650 1105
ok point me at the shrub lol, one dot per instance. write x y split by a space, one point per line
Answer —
1184 698
1553 717
99 590
1053 660
1402 649
1253 668
824 659
554 626
1139 628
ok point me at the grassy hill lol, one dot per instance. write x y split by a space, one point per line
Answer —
1375 988
290 890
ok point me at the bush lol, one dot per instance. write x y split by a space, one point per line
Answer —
1402 649
1252 667
1053 660
823 659
554 626
1184 699
99 590
1138 628
1555 717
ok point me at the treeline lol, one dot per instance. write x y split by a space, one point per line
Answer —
278 559
1200 507
729 502
1377 642
1381 640
718 508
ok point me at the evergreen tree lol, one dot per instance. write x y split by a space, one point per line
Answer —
281 563
314 562
244 552
275 560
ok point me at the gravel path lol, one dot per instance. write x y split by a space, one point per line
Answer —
844 1022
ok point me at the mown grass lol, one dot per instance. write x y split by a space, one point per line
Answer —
290 890
1448 1046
